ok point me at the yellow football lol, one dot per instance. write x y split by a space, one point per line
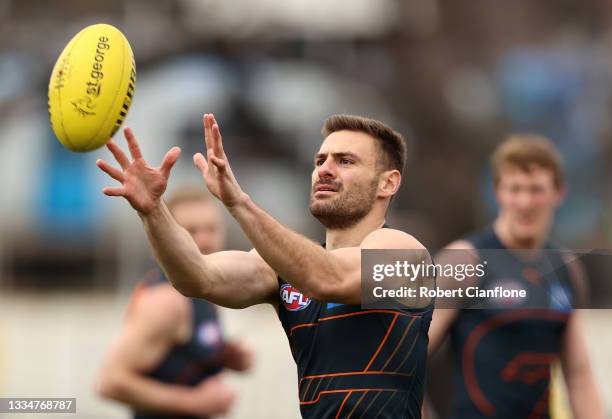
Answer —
91 87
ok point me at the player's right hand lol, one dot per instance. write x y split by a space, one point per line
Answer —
213 397
141 184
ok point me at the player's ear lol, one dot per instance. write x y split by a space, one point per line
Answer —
561 194
389 183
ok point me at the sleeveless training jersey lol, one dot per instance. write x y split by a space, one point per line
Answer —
197 359
502 357
354 362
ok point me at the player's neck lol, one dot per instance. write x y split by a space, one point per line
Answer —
510 241
354 235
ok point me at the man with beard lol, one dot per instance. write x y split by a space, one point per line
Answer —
502 354
351 362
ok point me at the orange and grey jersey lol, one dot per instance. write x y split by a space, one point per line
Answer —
197 359
352 362
503 356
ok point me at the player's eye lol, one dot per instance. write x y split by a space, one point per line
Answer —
346 161
319 162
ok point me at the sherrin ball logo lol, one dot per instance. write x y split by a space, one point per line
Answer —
292 299
91 87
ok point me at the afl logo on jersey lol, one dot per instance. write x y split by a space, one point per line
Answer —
292 299
509 284
209 333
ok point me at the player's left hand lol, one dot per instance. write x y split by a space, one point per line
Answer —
215 167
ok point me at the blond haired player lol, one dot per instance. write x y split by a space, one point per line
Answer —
502 356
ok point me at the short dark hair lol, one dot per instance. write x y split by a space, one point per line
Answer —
391 143
188 194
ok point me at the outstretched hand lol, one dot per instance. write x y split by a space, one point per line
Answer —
215 168
141 184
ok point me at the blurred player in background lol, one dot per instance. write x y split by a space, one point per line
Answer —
351 362
502 357
166 361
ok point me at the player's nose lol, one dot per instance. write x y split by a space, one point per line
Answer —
327 170
524 200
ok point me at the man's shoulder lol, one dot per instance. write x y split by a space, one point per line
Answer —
460 244
160 303
390 238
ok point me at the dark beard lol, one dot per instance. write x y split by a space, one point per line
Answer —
346 209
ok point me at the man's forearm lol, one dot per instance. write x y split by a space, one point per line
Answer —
294 257
145 394
176 252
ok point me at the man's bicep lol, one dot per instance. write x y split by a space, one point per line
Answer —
574 353
245 279
348 260
346 288
150 330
